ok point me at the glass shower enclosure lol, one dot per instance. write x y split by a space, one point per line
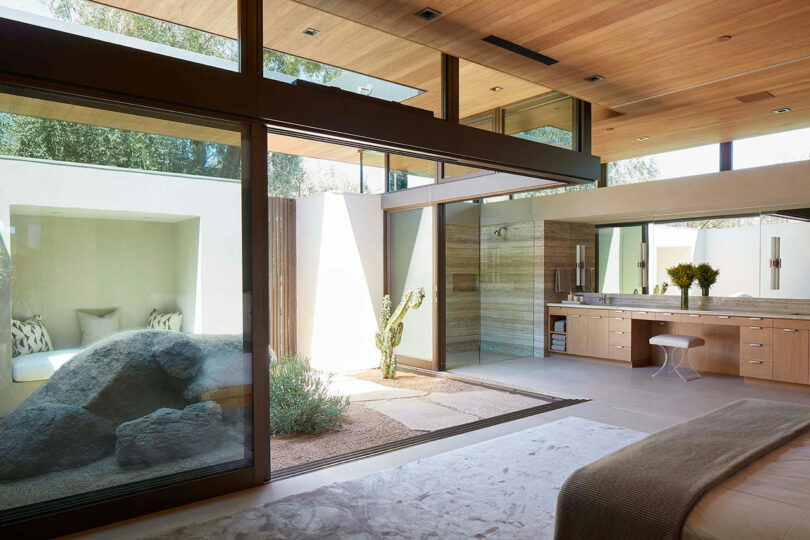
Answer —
489 283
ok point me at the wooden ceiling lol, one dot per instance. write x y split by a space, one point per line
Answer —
667 75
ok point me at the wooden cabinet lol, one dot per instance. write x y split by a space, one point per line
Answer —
791 354
598 336
577 332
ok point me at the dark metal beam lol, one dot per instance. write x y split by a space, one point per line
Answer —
582 126
450 88
45 58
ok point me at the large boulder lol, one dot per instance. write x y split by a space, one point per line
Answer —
49 437
169 434
126 376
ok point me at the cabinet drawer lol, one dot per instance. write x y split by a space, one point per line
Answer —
620 313
619 352
756 368
755 334
620 325
794 324
722 319
756 351
618 337
643 315
667 317
757 321
555 310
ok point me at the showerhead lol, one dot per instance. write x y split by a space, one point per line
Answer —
500 232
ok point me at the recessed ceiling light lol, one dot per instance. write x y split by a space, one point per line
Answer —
428 13
496 88
721 39
643 138
782 110
594 78
311 32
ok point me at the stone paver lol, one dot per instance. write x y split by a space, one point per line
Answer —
485 403
421 414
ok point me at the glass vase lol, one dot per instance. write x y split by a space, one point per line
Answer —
704 291
684 299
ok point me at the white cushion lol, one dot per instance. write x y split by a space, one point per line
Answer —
94 329
40 366
675 340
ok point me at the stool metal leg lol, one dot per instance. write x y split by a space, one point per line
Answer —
666 360
685 356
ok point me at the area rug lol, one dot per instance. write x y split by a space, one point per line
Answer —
502 488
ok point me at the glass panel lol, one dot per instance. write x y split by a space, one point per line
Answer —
121 357
303 42
547 119
489 265
408 172
411 267
619 254
206 34
301 167
714 241
373 171
556 190
686 162
772 149
794 251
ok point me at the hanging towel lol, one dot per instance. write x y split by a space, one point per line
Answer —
562 280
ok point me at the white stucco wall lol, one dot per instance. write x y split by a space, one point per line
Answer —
209 289
339 274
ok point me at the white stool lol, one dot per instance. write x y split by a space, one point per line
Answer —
675 341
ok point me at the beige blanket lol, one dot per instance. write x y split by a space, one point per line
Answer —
647 490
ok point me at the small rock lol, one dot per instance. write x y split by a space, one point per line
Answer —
169 434
49 437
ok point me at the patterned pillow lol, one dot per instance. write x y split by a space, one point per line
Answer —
165 321
29 336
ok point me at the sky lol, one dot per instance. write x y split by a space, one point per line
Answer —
37 7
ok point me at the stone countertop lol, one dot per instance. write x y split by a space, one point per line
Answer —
757 314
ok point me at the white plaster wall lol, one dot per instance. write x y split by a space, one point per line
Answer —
217 205
339 275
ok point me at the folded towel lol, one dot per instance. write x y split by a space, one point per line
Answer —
559 326
558 348
558 341
558 344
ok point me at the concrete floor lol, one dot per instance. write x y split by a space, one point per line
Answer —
474 358
619 396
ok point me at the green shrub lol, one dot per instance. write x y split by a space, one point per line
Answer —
299 402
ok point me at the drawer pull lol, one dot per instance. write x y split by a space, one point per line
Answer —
577 316
754 318
618 318
789 329
641 312
597 316
755 361
723 317
755 344
694 315
619 346
755 327
667 314
619 333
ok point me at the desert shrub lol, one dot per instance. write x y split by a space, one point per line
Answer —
299 402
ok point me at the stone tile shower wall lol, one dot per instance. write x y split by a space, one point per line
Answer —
463 327
507 289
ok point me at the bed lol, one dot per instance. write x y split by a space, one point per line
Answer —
40 366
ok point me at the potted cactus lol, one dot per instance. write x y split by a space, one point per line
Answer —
683 275
706 276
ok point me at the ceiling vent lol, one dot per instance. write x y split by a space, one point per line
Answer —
594 78
428 13
519 49
756 96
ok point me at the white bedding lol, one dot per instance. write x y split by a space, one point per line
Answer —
40 366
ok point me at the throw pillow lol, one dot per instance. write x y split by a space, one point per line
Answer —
165 321
94 328
29 336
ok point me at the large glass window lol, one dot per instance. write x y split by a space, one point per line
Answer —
205 34
772 149
675 164
408 172
122 303
304 42
547 119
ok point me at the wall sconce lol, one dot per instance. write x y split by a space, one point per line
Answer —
642 264
580 269
775 263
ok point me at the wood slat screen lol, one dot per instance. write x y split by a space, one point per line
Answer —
281 223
